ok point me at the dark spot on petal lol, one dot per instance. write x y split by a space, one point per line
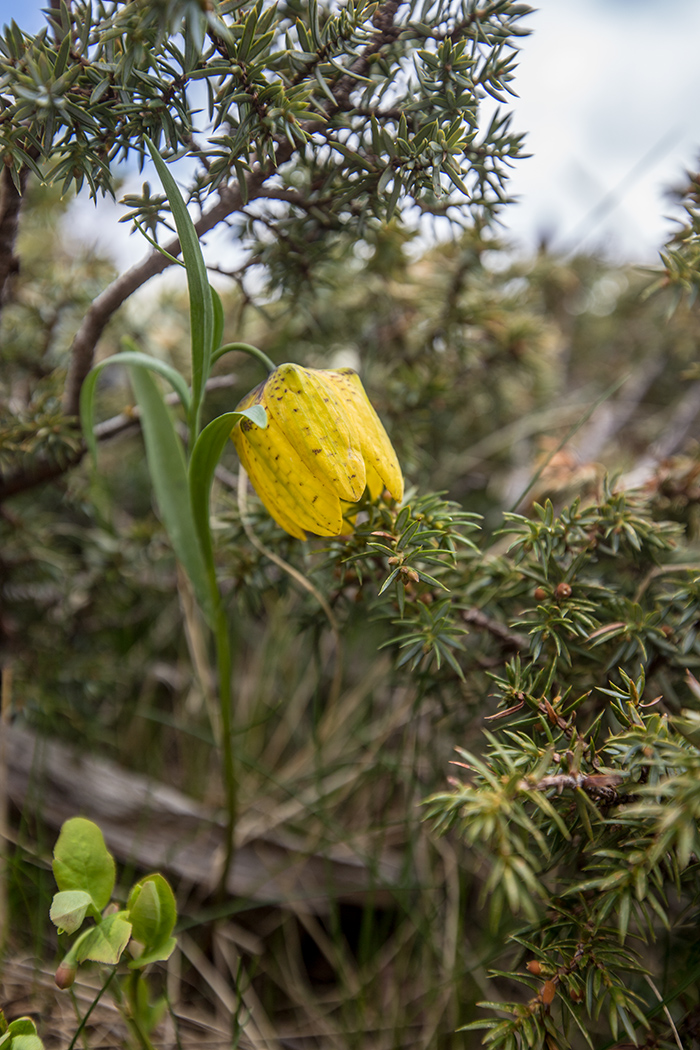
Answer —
316 451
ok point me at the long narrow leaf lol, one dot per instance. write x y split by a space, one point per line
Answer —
129 357
167 466
201 306
218 325
205 456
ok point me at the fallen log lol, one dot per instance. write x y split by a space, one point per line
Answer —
155 827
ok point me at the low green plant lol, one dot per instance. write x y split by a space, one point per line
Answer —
20 1034
85 873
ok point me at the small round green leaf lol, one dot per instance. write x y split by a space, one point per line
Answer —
22 1026
68 909
106 942
27 1042
21 1034
83 862
152 911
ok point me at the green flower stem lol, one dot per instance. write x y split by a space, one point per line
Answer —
81 1027
134 1020
224 668
194 423
204 457
218 622
244 348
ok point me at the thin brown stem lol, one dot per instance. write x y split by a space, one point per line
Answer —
105 305
510 639
49 470
10 205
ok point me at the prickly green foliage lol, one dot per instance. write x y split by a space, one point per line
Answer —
358 108
680 258
581 804
410 555
569 586
586 825
39 427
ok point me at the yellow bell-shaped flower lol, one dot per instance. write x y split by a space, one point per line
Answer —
323 443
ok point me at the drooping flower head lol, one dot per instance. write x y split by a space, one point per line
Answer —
323 443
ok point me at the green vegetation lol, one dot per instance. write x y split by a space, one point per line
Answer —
432 781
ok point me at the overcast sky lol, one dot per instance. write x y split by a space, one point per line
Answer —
608 95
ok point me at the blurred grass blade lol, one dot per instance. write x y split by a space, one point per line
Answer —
129 357
205 456
201 305
168 470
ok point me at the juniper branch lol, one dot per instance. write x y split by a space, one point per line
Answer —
10 205
231 199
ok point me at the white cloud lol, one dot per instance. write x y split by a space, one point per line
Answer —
607 96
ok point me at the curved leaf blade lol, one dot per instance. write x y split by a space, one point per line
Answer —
205 456
129 357
201 306
219 317
168 470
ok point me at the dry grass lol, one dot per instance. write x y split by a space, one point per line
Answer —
380 969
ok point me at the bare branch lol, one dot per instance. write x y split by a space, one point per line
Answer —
130 420
601 786
510 639
10 204
48 470
386 33
105 305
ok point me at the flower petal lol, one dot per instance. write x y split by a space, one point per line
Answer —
375 483
377 450
257 481
324 442
316 424
296 499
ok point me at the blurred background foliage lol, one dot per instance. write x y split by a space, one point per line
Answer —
543 577
487 369
480 364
